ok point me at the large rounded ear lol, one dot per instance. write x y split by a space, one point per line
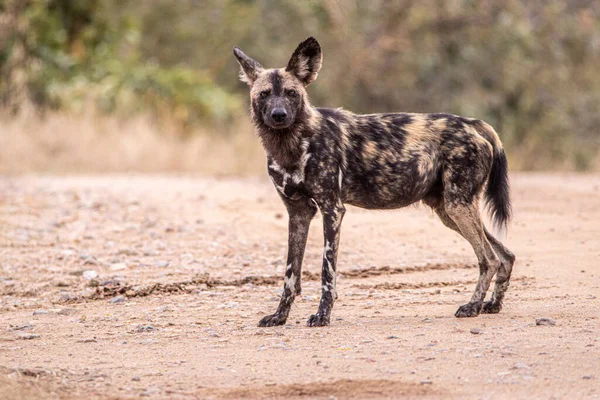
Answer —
306 61
249 68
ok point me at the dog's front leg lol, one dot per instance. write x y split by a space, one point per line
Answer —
332 222
300 214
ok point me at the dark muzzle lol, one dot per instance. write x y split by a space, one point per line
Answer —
278 115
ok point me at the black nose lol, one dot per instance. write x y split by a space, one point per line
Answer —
278 114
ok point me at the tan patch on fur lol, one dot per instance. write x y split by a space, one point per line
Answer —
439 125
369 151
420 135
488 133
314 118
262 82
481 140
289 81
417 131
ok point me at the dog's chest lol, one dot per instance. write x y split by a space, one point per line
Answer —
288 181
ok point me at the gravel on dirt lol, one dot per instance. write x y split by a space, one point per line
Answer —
185 268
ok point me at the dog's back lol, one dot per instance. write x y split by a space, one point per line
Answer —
395 159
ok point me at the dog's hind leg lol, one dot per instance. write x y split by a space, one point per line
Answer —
445 218
507 259
468 221
300 214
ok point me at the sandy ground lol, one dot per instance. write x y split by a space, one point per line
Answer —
127 286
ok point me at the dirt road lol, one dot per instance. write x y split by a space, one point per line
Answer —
127 286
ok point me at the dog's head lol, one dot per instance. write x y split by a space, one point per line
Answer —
278 95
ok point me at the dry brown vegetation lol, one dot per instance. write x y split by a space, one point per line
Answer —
63 143
21 385
60 143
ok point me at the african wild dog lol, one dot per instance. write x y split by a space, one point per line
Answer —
324 158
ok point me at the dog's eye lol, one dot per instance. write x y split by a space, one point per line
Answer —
264 94
292 93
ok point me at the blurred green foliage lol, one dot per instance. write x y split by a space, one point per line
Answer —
530 68
62 54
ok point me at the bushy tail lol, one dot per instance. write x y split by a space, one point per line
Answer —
497 195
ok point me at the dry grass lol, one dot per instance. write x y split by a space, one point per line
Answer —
39 385
16 387
61 143
89 143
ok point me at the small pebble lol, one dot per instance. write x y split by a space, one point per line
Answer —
118 300
135 378
67 311
146 328
68 297
28 336
88 340
151 391
588 377
545 322
118 266
426 382
476 331
21 327
90 261
90 274
41 312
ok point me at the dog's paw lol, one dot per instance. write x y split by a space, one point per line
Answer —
468 310
491 307
272 320
318 320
